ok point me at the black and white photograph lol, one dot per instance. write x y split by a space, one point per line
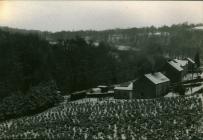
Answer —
101 70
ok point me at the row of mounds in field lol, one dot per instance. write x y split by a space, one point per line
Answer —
158 119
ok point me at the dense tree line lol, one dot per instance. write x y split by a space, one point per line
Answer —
26 84
79 65
24 62
74 64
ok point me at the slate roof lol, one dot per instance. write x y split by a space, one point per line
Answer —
176 65
157 78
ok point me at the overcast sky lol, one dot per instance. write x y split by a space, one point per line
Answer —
97 15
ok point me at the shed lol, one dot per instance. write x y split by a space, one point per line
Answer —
183 64
103 88
174 71
78 95
191 65
97 93
151 86
123 91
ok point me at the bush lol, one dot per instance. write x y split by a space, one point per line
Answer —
39 98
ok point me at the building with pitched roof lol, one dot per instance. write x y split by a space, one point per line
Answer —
191 64
78 95
151 85
174 71
183 63
123 91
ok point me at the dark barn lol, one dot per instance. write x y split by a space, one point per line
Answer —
191 65
183 63
174 72
151 86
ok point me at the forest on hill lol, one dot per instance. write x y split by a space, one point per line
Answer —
177 39
74 64
31 67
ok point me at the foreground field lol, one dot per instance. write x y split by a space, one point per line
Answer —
156 119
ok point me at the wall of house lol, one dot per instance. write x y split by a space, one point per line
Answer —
78 96
173 74
144 88
185 69
123 94
99 95
191 67
162 89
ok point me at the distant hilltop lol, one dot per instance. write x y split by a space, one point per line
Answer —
198 28
111 35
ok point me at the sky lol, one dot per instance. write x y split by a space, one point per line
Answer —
97 15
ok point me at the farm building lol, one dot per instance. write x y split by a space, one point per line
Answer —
183 64
103 88
78 95
123 91
191 64
174 71
98 93
151 86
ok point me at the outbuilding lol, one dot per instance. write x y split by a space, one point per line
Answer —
151 85
98 93
78 95
191 65
183 64
103 88
123 91
174 71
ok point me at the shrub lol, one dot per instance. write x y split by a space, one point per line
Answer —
39 98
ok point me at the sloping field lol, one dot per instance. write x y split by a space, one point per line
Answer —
154 119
